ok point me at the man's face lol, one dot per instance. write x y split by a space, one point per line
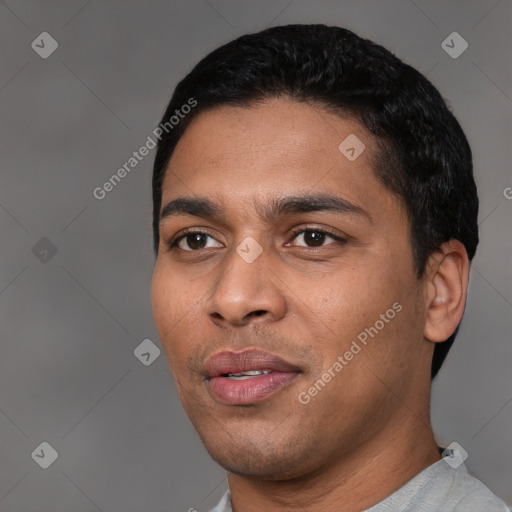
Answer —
289 299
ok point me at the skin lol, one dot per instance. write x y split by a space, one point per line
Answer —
367 432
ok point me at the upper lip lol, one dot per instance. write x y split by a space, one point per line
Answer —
228 361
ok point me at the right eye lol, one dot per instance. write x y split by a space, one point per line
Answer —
194 240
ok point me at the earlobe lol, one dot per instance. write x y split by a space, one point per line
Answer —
447 283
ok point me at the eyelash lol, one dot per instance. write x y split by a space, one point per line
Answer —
295 232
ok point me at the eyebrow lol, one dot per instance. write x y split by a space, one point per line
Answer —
275 208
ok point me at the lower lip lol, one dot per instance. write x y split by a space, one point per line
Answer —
249 391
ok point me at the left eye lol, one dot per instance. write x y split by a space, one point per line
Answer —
314 237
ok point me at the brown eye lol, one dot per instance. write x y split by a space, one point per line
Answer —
314 237
194 241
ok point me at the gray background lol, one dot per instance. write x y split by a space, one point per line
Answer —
69 325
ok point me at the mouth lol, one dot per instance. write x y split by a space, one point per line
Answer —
250 374
247 377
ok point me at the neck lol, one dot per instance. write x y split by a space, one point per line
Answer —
355 481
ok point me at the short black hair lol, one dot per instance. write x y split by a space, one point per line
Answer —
424 156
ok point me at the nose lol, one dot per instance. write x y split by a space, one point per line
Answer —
246 293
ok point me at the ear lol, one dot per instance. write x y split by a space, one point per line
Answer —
447 284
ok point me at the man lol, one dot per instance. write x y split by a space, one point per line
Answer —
315 214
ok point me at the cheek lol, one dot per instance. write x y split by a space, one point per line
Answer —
356 293
357 296
161 298
173 302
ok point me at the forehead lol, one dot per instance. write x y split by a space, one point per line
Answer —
277 148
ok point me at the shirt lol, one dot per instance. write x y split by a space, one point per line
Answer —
438 488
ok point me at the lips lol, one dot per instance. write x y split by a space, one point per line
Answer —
250 376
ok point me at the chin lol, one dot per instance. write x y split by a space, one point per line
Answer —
265 470
258 458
